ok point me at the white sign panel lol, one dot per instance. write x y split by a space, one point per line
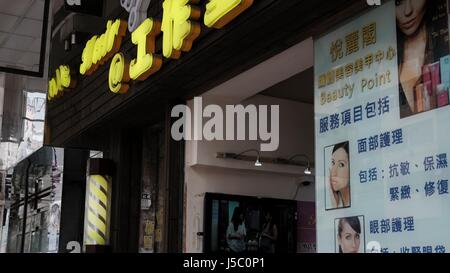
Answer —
381 113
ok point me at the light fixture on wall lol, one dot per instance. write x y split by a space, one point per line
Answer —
308 170
270 160
67 46
73 38
258 162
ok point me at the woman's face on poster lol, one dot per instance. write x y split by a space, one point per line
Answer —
349 239
340 171
410 15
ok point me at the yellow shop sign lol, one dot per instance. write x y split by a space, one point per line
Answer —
100 49
63 80
180 27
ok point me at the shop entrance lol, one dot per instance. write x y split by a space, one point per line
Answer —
247 178
161 208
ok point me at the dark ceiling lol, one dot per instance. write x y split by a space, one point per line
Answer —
298 88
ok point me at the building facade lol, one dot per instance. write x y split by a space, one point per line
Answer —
179 196
242 126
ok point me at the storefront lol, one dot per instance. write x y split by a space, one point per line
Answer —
131 129
378 88
224 174
172 195
315 126
226 177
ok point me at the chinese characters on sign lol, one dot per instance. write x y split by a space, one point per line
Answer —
383 170
355 115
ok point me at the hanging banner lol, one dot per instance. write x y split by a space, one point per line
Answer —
381 114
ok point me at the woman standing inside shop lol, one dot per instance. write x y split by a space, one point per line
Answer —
416 49
349 235
237 232
269 234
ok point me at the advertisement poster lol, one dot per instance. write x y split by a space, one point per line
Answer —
54 226
33 124
381 115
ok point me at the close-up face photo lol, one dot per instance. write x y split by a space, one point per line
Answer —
410 14
349 235
339 171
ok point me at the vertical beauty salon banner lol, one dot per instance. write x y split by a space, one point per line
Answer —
382 124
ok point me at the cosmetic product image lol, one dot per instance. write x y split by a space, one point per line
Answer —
442 95
445 71
426 73
426 96
435 81
419 98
